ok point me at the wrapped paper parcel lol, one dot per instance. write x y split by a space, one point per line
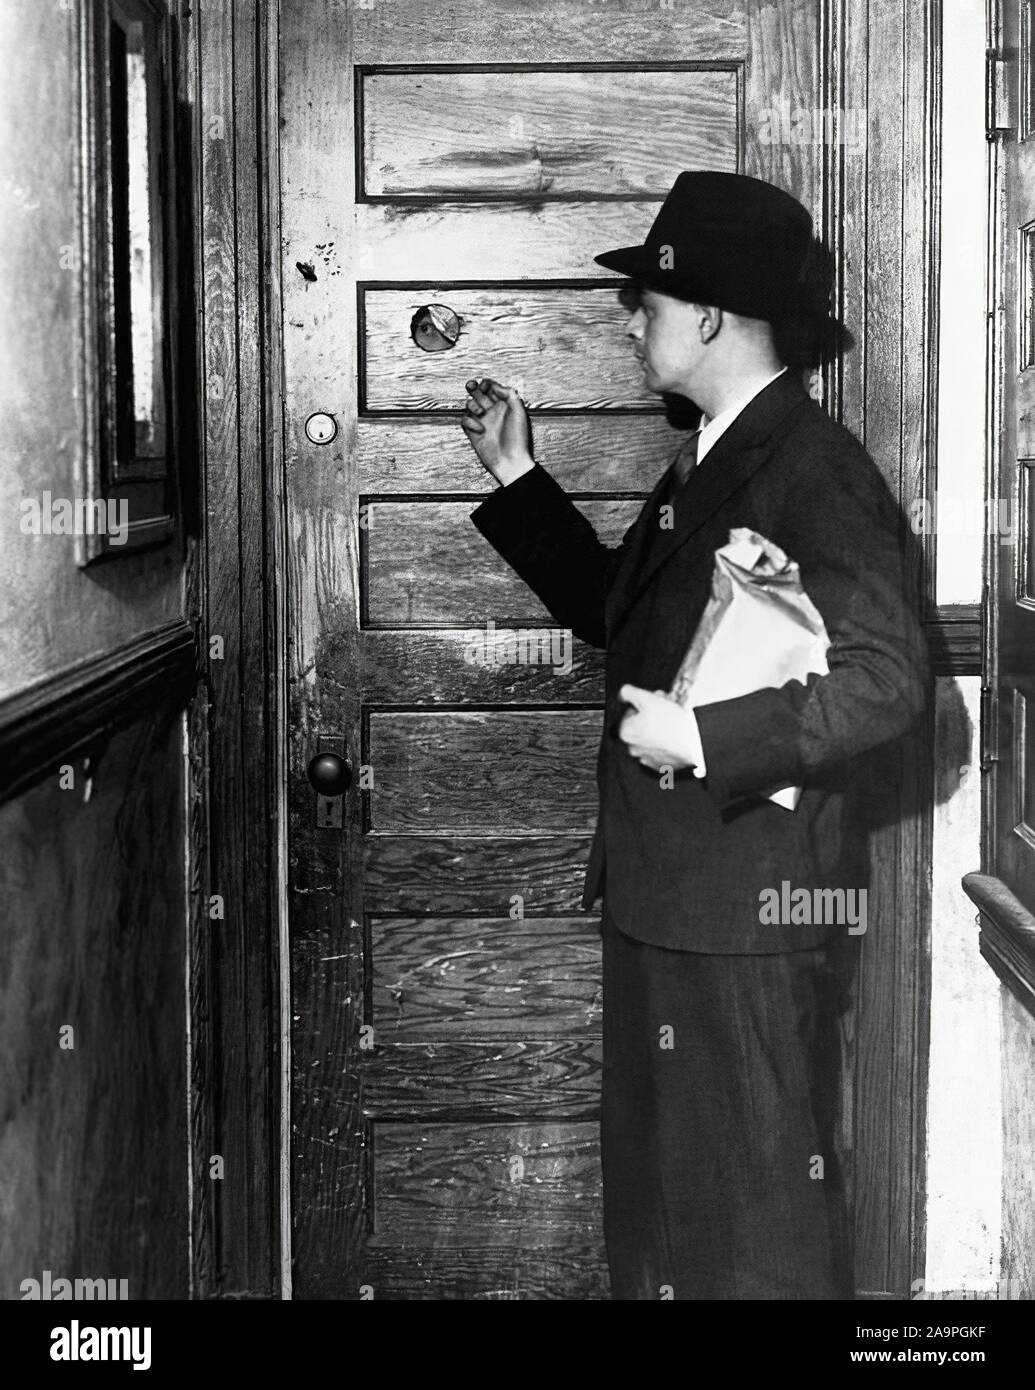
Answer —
759 629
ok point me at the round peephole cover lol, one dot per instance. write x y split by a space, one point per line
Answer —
435 328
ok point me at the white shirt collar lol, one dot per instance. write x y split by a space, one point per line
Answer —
712 429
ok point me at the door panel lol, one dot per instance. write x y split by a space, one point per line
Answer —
446 985
406 664
427 566
504 134
392 458
542 979
563 344
487 1185
462 770
569 31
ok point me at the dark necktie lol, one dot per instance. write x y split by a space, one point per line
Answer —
686 462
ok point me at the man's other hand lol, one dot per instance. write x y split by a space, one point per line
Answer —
658 731
496 424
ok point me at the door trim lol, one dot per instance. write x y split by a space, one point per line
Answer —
884 392
238 971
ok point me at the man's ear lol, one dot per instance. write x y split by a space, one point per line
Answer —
709 321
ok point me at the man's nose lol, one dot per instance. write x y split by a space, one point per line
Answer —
634 328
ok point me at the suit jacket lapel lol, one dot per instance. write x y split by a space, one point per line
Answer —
736 456
643 536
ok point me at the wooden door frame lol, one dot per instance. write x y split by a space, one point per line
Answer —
239 1006
239 979
893 410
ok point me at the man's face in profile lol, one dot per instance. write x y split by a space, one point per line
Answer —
666 340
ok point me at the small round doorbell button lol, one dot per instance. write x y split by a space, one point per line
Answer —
321 428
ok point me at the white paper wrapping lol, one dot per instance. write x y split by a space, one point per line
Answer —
759 630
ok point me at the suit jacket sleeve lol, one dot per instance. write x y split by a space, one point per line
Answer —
545 538
842 526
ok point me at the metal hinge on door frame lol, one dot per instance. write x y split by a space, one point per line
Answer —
989 751
997 95
988 747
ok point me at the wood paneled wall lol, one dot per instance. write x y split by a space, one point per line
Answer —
93 1136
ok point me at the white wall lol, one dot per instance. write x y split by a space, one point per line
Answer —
961 370
964 1120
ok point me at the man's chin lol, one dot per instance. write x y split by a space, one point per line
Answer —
658 385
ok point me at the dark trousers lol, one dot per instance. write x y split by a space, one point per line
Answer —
721 1179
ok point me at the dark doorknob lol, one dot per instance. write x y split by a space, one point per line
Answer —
329 775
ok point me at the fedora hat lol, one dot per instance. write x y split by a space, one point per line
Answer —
731 241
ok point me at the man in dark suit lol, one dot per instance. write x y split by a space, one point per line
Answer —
721 1178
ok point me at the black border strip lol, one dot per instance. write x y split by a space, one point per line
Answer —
60 717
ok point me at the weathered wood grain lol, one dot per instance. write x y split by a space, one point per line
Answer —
426 564
530 1186
544 133
782 81
627 455
443 874
317 194
471 770
434 667
470 1081
512 31
577 1273
451 978
886 392
235 964
563 348
488 241
93 1136
1018 1212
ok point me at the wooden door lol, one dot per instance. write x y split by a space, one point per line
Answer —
1014 833
446 985
1007 893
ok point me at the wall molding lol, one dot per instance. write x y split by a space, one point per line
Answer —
1007 934
63 716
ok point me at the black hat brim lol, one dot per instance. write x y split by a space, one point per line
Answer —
627 260
639 263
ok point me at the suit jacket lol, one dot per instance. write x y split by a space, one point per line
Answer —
686 866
